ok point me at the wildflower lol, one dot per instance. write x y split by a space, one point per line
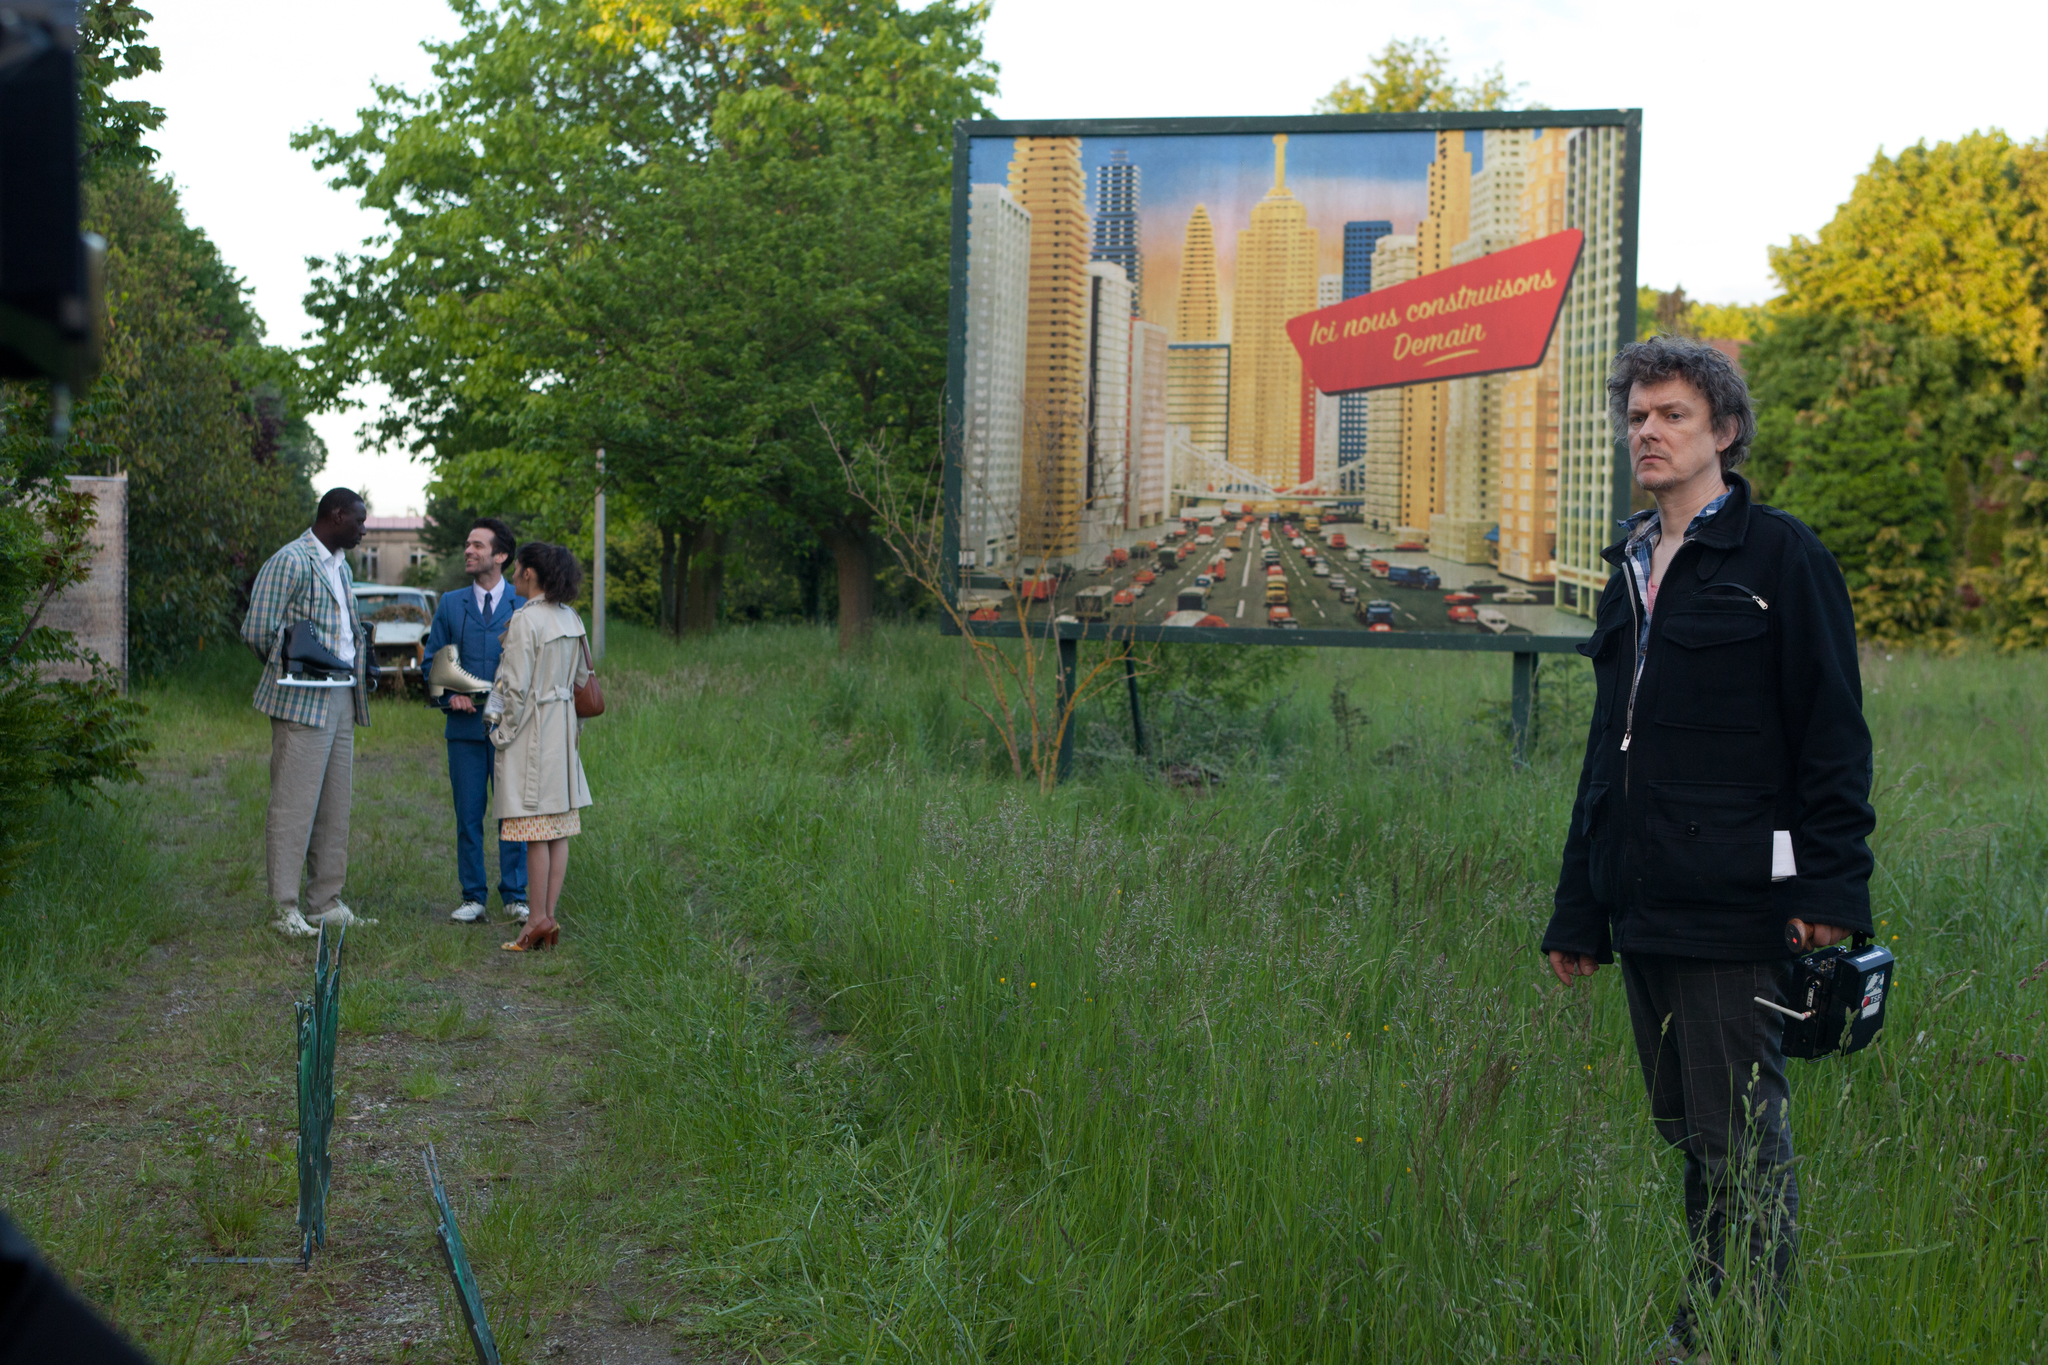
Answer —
1895 938
1589 1068
1358 1139
1034 985
1003 980
1386 1028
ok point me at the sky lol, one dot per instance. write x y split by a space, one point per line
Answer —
1757 116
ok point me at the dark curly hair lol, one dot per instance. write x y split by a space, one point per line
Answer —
1698 364
556 570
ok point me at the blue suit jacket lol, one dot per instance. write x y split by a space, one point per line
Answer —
457 622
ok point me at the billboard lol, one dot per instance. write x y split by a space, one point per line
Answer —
1318 380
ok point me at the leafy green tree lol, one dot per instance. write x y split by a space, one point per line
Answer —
1951 239
198 414
1863 425
707 238
2015 588
1904 599
1672 313
1414 76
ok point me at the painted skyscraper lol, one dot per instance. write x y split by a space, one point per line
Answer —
1588 332
1106 474
1528 474
1275 279
1425 408
1148 425
1472 430
1359 240
1118 233
992 446
1393 263
1198 359
1046 180
1319 410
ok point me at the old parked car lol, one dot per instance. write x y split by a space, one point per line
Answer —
398 620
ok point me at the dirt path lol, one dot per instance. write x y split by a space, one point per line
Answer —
163 1129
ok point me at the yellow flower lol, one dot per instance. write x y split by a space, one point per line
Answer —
1358 1139
1386 1028
1003 980
1895 938
1589 1068
1034 985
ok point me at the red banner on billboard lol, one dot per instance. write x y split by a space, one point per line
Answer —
1495 313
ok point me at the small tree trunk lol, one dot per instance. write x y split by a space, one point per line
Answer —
706 581
667 614
856 572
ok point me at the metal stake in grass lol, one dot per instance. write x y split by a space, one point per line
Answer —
319 1021
466 1292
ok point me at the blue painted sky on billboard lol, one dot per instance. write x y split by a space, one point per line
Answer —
1339 177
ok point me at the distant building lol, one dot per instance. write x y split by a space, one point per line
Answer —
1587 332
1425 408
1275 280
1148 424
992 423
1319 410
1465 530
1360 240
1198 358
390 546
1118 232
1106 475
1198 392
1528 457
1046 180
1393 263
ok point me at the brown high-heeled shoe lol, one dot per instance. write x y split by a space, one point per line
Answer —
534 939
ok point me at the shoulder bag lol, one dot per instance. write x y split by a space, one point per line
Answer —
589 695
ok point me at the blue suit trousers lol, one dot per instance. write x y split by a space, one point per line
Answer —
470 765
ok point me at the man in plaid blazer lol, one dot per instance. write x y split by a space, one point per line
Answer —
312 739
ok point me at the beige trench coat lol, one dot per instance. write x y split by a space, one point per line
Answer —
539 769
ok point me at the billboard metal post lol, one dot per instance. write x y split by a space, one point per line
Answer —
597 570
1137 716
1070 656
1522 713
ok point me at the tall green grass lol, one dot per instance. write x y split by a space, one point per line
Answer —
1273 1072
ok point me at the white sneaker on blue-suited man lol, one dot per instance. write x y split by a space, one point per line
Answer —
469 912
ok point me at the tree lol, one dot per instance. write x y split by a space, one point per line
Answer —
1952 239
2015 589
1672 313
695 235
1413 76
1904 600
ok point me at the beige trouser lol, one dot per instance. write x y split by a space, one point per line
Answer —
310 771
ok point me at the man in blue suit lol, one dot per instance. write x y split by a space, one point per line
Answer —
474 620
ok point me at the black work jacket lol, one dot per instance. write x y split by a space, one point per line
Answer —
1748 718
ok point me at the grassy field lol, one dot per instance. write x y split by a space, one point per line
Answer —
859 1050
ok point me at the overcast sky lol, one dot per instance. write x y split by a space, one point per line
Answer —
1757 116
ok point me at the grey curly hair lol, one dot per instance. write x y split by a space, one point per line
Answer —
1698 364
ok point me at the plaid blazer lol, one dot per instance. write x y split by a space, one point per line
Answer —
292 586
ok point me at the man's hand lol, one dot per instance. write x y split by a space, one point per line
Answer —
461 705
1816 935
1569 966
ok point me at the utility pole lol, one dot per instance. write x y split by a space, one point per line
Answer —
597 569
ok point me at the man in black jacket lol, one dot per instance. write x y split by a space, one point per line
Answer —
1724 802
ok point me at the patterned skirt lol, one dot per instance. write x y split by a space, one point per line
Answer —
538 829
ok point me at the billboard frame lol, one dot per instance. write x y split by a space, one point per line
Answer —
964 130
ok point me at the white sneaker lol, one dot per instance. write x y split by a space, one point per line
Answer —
292 924
341 915
469 912
518 910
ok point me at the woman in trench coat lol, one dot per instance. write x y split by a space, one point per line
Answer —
540 787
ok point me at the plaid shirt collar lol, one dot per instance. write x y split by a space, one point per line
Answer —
1645 529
